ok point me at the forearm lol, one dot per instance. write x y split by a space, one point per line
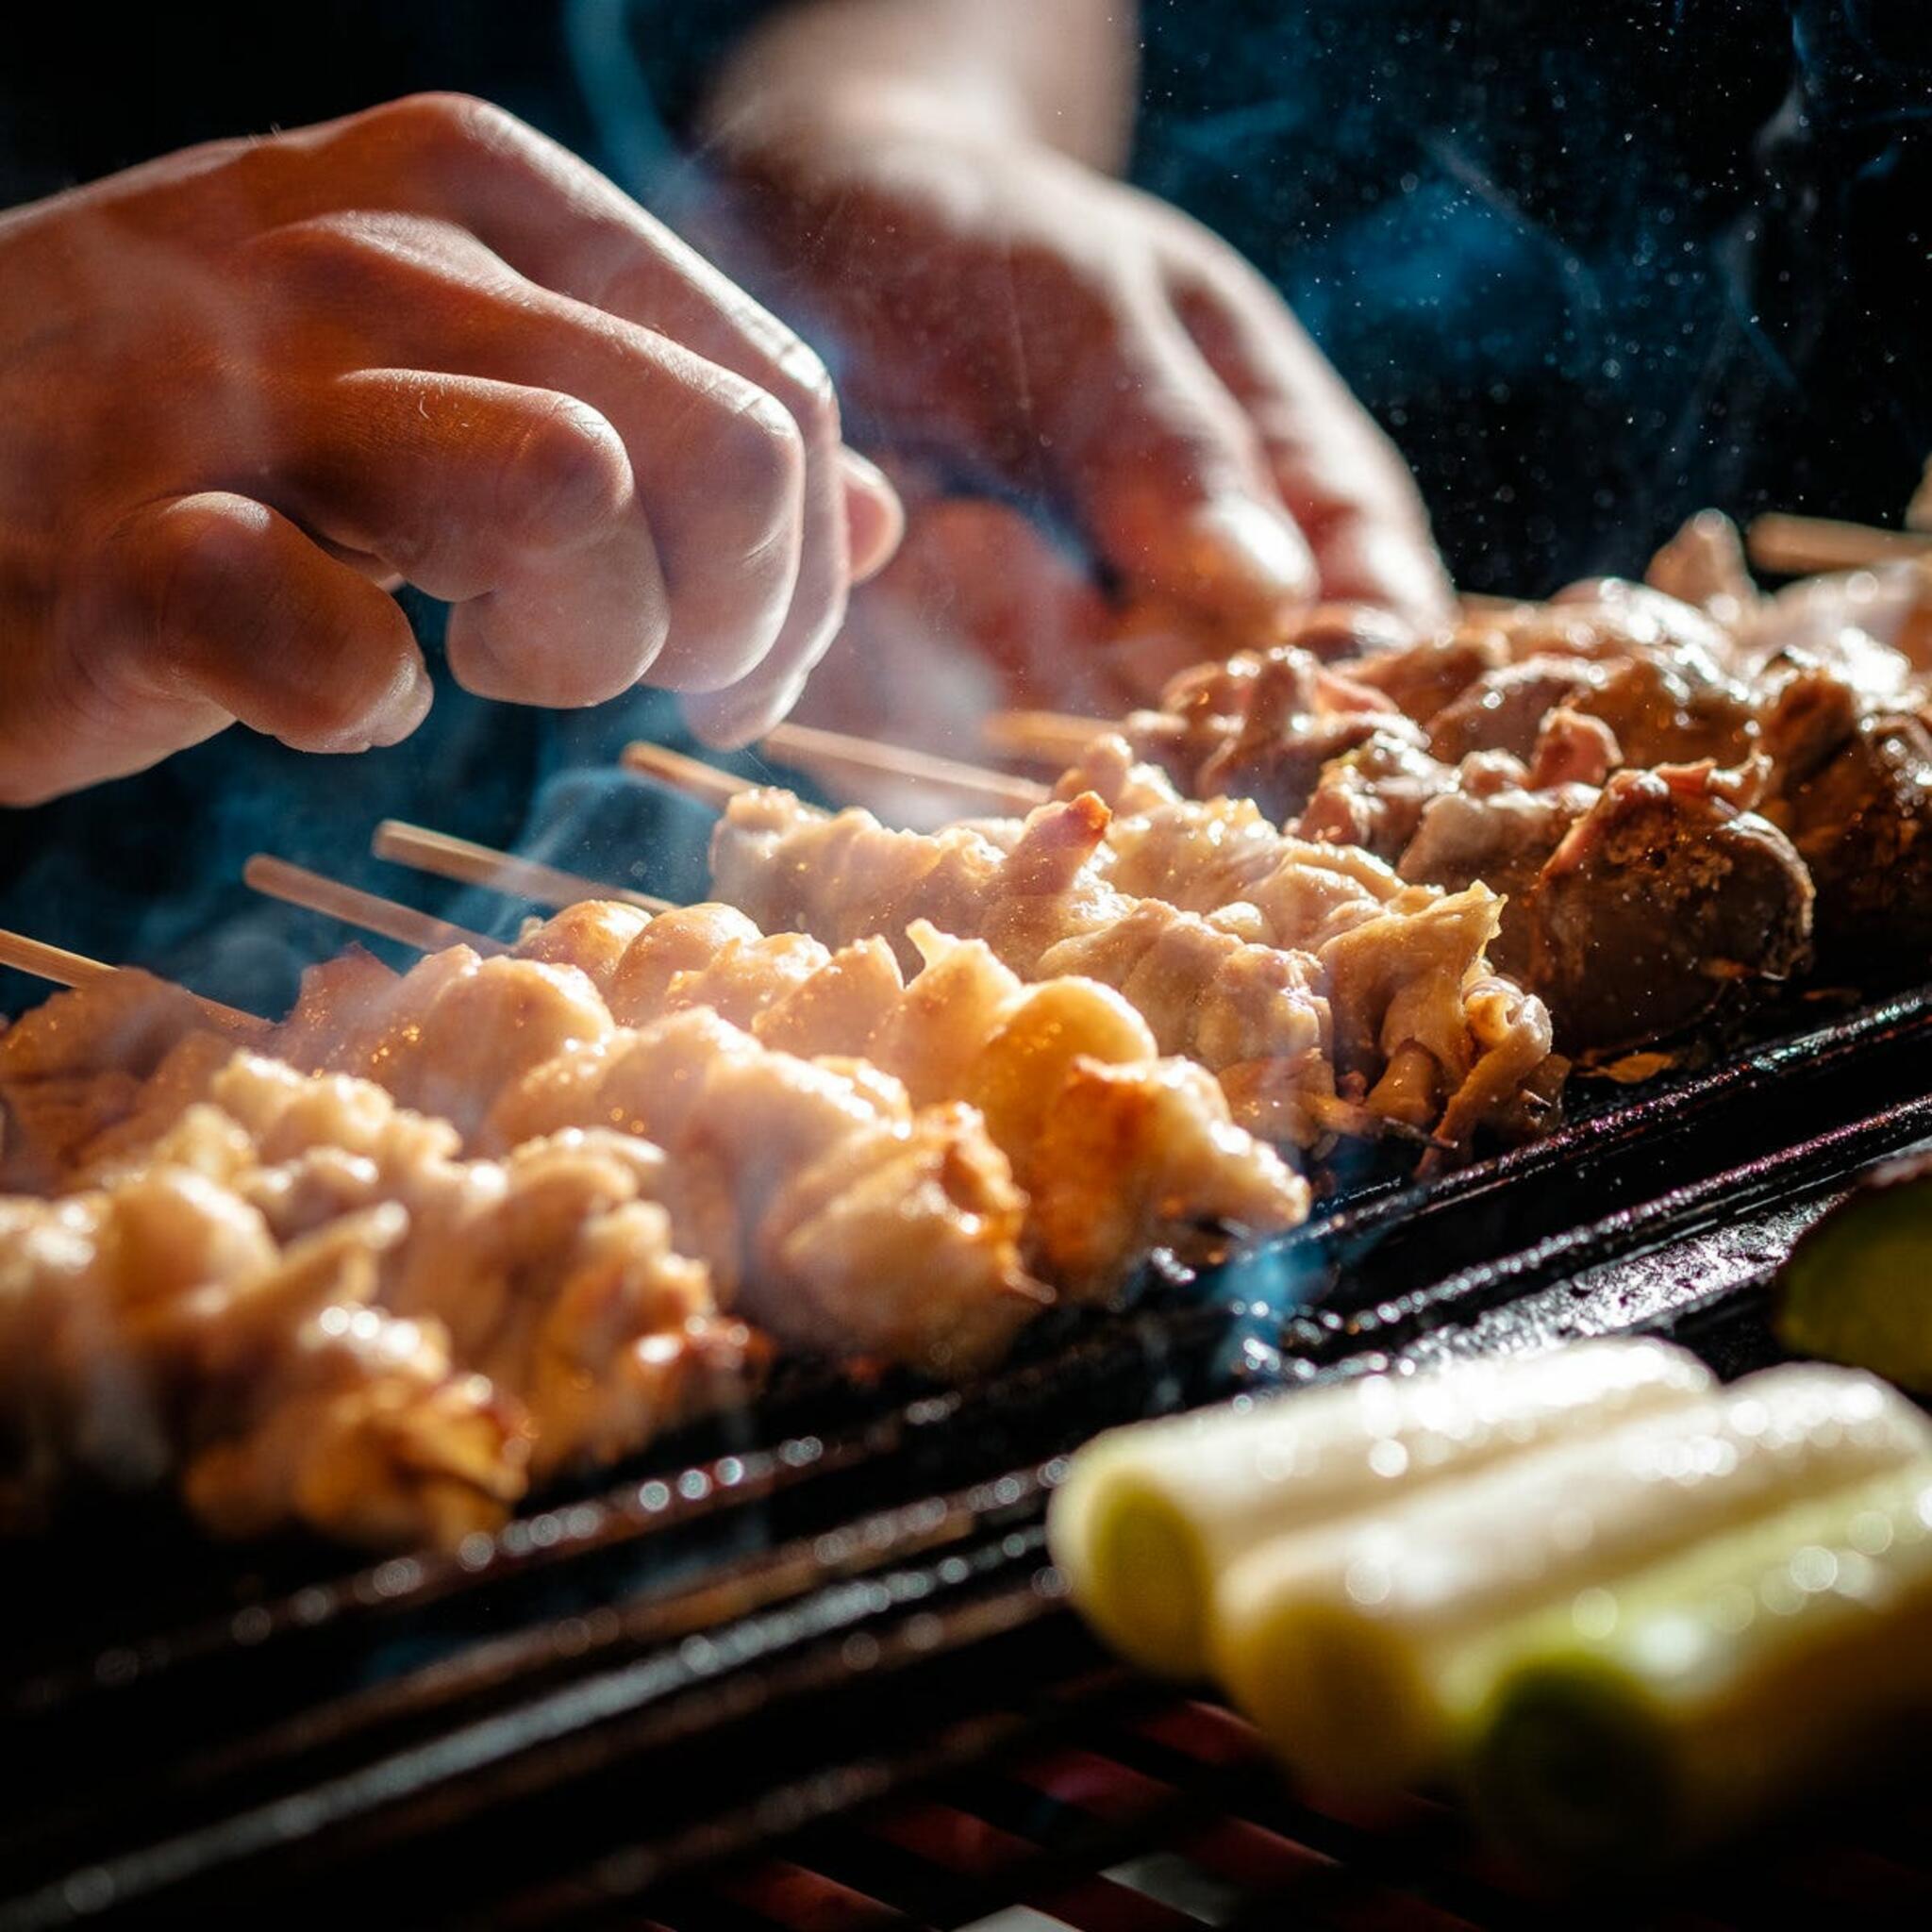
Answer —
1060 72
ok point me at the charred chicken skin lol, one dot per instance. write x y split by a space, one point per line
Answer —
828 1210
1046 1063
154 1331
1605 764
1302 1048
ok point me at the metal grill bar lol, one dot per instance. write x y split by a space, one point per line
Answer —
777 1638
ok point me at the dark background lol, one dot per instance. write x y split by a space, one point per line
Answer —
1593 265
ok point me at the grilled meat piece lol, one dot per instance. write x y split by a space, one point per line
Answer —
1573 748
1260 725
1256 1015
553 1272
456 1028
1427 677
830 1210
819 1184
1861 818
1036 1059
905 1198
1674 711
1504 710
1294 719
1660 712
1038 903
1634 912
81 1061
1375 796
153 1329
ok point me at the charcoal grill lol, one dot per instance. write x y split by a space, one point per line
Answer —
812 1668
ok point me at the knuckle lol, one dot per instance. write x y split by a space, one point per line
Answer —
441 121
760 450
327 242
802 382
568 479
196 556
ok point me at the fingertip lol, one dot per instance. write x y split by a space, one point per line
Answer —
505 655
1391 569
731 720
875 517
405 706
569 482
721 725
575 634
239 607
1241 558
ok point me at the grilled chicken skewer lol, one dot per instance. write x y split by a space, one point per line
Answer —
1825 679
1116 1148
552 1271
1638 903
153 1329
828 1210
1425 1054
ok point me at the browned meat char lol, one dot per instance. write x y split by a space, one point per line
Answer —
1674 714
1662 903
1862 821
1504 710
1634 912
1422 680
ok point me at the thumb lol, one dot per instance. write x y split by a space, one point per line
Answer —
1172 484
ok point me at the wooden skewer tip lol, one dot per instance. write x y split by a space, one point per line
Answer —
424 849
690 776
1049 738
822 751
1798 546
296 885
66 968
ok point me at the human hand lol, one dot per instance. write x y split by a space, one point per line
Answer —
998 301
247 385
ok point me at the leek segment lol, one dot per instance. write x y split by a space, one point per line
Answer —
1857 1287
1363 1650
1711 1687
1151 1518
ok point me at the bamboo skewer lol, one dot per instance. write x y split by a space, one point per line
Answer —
840 751
1049 738
51 962
65 967
419 852
295 885
1919 511
708 783
424 849
692 776
1798 546
371 911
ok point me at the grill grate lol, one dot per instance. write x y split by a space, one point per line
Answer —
811 1669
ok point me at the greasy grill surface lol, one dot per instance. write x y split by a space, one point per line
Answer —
813 1670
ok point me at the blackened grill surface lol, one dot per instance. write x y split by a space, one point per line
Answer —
813 1669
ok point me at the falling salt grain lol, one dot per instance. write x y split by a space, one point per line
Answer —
1594 1614
1368 1582
1814 1569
